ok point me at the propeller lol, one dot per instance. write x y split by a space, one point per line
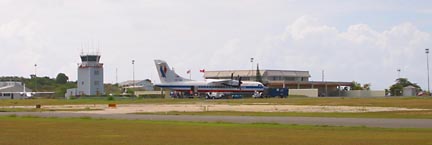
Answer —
232 76
240 82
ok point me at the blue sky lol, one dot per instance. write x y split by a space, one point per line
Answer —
365 41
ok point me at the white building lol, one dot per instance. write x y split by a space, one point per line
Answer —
12 90
90 76
139 84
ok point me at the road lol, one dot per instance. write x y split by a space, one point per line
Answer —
368 122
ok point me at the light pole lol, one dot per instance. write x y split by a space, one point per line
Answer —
35 76
116 76
133 73
251 60
398 70
322 75
427 63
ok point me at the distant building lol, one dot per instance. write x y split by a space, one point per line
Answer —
267 75
71 92
12 90
90 76
409 91
292 79
139 84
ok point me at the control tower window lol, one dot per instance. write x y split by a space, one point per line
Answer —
90 58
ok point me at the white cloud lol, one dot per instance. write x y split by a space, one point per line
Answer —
216 35
306 27
360 53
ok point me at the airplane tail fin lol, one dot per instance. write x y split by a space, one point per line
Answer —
166 74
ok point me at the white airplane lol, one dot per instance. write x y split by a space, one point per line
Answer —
171 80
27 95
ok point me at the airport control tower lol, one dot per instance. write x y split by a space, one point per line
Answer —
90 75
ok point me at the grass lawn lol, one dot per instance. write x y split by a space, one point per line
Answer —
408 102
31 130
40 109
427 114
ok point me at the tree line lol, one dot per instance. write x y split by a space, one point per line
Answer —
58 85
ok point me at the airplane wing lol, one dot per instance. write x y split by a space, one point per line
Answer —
10 92
28 92
226 82
42 92
218 80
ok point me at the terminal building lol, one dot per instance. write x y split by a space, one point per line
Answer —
284 79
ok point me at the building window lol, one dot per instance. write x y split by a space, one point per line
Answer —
290 78
96 72
96 82
277 78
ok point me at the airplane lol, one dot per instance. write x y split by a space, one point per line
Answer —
27 95
215 88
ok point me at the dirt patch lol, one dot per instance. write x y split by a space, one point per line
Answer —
136 108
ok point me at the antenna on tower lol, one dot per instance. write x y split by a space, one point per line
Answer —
82 48
88 46
97 51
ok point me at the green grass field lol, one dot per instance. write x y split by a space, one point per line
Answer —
427 114
408 102
40 110
31 130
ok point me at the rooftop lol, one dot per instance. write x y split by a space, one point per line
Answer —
227 73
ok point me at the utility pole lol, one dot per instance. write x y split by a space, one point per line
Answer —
35 77
133 73
251 60
322 75
427 63
117 76
399 70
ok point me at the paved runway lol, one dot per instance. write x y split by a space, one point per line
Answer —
369 122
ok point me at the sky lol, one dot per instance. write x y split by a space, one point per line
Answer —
365 41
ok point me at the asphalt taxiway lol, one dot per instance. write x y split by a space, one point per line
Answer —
366 122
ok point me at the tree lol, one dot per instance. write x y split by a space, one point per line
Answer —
61 78
356 86
258 75
366 86
397 88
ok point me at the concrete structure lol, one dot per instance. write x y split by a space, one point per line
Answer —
71 92
304 92
146 85
364 93
12 90
138 93
284 78
90 75
409 91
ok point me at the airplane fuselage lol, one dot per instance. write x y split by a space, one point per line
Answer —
205 86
